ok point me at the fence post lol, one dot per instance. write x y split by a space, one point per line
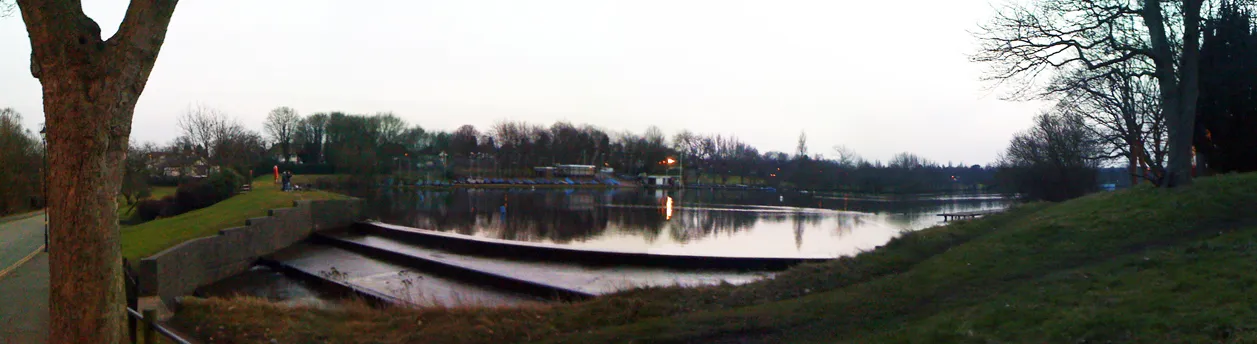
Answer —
150 334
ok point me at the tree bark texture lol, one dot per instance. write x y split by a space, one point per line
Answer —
90 88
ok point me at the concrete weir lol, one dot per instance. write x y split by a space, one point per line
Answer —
518 250
538 270
384 282
181 269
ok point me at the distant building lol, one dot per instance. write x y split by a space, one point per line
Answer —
169 164
575 170
545 171
566 170
659 181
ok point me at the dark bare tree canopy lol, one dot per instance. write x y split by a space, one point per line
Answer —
21 164
310 136
1123 111
281 124
1053 160
801 149
203 126
1028 44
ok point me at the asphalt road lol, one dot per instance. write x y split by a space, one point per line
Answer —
24 288
18 238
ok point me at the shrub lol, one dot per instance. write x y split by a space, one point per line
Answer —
148 209
225 184
170 206
195 195
205 192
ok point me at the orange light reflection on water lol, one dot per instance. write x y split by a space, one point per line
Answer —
668 212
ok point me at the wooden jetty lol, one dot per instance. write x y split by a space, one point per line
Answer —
968 214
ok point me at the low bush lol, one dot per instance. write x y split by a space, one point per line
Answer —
148 209
224 184
195 195
201 193
170 206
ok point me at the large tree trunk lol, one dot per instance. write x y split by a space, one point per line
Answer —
90 87
1178 84
1183 125
1179 169
87 300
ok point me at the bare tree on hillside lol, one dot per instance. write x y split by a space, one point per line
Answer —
1159 38
801 150
1123 111
391 128
281 125
846 157
311 134
136 172
1053 160
203 125
238 147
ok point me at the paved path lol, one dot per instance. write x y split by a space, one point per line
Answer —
24 287
18 238
24 303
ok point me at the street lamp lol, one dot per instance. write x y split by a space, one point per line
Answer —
681 168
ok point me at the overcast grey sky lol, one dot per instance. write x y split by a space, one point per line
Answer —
880 77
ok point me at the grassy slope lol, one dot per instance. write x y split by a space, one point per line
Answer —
1144 265
151 237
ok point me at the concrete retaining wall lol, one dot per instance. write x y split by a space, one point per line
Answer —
181 269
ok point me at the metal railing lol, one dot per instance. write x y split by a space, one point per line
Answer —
151 328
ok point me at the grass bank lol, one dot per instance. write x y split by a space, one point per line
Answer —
148 238
1141 265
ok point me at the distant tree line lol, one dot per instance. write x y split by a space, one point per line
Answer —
369 144
382 142
21 165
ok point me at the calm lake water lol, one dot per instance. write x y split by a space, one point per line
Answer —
697 222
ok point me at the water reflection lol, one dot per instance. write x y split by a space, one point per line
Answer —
703 222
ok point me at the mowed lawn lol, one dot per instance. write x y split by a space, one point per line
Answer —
151 237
